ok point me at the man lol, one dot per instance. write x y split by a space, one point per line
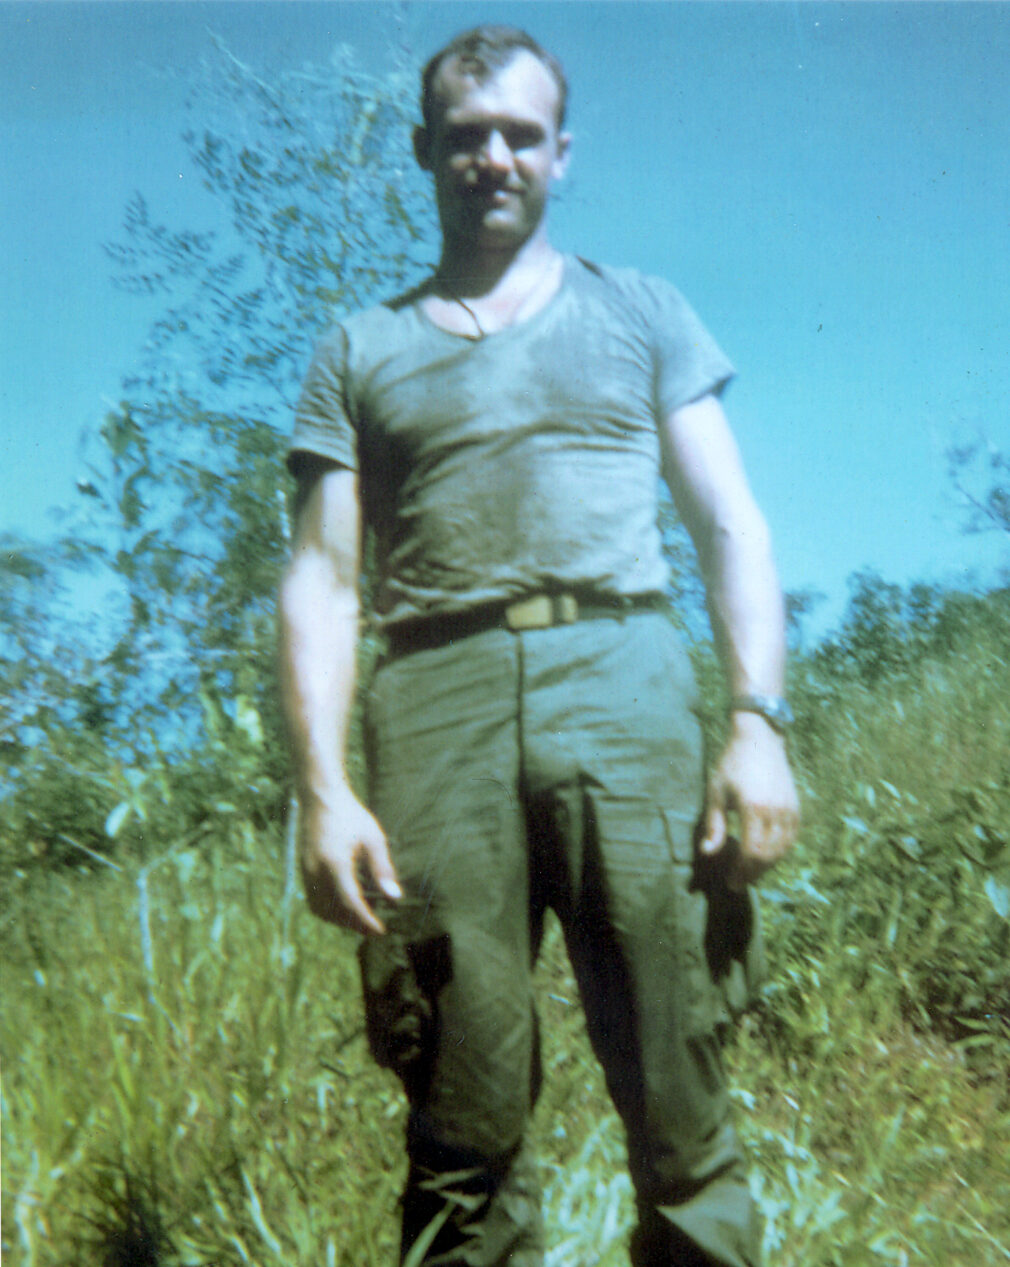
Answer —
529 732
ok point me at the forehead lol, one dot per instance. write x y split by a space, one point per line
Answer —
522 88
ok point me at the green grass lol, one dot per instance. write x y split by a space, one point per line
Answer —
233 1090
231 1080
186 1079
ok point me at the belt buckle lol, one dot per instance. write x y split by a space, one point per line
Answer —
542 611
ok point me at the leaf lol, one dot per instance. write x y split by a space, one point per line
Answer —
909 846
247 719
185 863
117 818
997 890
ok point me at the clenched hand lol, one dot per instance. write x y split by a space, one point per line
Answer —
751 781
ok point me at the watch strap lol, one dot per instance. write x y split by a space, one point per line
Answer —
773 708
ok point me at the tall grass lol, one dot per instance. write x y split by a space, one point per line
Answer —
186 1079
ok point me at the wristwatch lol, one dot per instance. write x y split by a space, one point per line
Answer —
773 708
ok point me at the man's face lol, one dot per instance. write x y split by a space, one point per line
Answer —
494 150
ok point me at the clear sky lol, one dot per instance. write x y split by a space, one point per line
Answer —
829 184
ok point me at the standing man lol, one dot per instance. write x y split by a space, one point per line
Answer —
530 737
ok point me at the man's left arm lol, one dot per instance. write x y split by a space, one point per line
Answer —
751 778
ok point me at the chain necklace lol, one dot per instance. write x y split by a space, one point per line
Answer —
524 299
481 332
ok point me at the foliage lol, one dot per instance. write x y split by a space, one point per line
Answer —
313 172
38 668
980 473
919 895
887 630
182 519
903 724
55 710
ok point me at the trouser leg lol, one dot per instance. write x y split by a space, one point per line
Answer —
636 948
461 1208
452 1015
448 990
636 928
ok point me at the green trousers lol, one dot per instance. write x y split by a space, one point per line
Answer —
558 768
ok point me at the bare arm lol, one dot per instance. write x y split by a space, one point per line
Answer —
318 643
751 778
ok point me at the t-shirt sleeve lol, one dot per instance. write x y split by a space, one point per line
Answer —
689 362
323 423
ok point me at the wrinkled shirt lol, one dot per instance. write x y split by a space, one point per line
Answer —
523 462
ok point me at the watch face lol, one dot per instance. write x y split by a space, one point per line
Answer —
774 710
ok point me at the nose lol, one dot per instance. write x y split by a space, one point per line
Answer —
495 153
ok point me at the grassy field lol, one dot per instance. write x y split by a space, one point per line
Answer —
186 1079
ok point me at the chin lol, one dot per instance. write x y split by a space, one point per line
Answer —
501 240
506 226
497 229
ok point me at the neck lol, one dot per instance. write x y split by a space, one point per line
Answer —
471 272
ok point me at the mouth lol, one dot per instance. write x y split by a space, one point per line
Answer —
497 195
505 201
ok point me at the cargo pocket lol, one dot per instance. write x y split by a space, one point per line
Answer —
702 1008
401 982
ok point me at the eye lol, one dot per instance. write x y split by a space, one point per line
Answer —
464 137
525 136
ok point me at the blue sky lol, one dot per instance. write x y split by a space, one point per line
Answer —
829 184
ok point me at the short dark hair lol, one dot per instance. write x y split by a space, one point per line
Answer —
481 52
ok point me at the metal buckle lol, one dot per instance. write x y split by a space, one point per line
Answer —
542 611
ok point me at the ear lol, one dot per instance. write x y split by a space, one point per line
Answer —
422 148
560 164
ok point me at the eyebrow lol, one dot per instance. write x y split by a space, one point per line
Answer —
501 123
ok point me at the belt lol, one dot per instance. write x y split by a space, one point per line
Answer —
541 611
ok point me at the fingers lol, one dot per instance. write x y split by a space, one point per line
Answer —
719 803
766 836
334 895
381 866
357 910
751 793
371 873
713 828
346 867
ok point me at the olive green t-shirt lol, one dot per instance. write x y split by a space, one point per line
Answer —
523 462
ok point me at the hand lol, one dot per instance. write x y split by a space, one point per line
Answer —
752 780
341 845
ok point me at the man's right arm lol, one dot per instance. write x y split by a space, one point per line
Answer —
318 605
